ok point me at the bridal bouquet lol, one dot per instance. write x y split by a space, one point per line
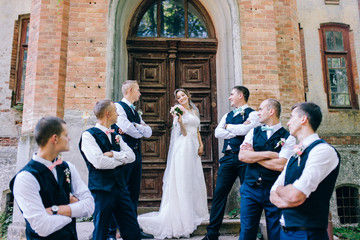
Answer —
177 110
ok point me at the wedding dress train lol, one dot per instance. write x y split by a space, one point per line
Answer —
184 200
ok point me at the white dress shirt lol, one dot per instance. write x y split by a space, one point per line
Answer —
233 130
26 192
130 128
286 150
322 160
96 157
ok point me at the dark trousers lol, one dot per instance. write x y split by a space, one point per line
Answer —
315 234
255 199
132 175
115 204
230 169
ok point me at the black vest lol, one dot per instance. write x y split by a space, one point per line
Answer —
235 142
103 179
255 171
133 117
313 213
52 192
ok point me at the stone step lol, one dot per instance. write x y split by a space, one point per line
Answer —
229 226
229 230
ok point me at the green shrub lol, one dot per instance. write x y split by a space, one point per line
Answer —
235 213
350 232
5 221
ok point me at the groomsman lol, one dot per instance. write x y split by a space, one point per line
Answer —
132 128
303 190
48 190
232 128
265 150
105 152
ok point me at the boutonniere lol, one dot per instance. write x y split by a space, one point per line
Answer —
298 152
280 143
67 176
242 112
140 112
117 139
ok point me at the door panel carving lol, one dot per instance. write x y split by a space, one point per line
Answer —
194 73
151 69
161 66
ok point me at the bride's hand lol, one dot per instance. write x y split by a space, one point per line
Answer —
179 118
201 150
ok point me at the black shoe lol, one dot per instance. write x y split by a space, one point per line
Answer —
146 236
207 237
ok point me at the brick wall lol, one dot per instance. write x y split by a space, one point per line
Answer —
86 70
47 58
272 65
341 139
8 141
258 46
291 85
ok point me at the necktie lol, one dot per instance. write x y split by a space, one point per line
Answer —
265 128
109 131
133 107
236 110
57 162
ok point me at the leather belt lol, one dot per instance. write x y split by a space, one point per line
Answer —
287 229
230 151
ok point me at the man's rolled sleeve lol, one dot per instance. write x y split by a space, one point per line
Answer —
321 161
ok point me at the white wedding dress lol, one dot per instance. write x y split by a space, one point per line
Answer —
184 200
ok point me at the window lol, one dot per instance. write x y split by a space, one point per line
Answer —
20 49
172 19
347 198
337 66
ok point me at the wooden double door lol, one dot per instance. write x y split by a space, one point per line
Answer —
161 66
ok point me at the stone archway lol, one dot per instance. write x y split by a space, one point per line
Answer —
226 19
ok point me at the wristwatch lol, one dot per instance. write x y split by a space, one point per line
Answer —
54 209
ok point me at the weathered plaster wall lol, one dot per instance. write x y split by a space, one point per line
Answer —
9 132
339 127
311 14
348 175
9 13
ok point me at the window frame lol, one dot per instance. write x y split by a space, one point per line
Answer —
145 5
22 45
344 28
353 202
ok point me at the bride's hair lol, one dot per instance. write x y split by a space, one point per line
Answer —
184 91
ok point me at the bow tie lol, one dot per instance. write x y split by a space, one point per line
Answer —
133 107
57 162
236 110
109 131
265 128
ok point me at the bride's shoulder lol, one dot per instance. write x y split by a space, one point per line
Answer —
194 112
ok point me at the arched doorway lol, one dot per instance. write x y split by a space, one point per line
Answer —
172 44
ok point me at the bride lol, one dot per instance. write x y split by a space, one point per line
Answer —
184 201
